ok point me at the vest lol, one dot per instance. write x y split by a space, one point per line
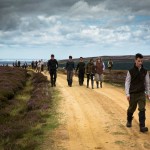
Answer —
137 80
99 68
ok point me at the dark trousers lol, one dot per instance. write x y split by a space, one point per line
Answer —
140 100
69 77
90 76
53 76
137 99
81 77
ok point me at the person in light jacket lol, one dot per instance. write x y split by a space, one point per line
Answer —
99 68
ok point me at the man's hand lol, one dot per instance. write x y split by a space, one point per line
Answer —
128 98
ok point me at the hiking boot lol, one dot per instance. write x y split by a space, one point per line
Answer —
129 119
129 124
143 129
142 121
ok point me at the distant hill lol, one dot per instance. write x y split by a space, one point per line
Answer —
106 58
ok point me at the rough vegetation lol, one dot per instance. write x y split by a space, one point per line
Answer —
24 114
115 76
11 80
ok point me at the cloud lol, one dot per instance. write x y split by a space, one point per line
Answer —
72 23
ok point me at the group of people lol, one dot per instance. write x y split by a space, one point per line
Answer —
17 63
92 70
137 83
38 66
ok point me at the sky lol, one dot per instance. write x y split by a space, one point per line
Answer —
35 29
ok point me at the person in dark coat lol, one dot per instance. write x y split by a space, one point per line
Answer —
136 86
19 63
32 64
70 68
52 68
81 68
90 72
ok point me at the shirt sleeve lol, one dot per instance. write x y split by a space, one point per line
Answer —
147 84
127 83
103 66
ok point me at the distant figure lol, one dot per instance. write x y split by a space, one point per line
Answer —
81 68
16 63
39 66
137 84
99 68
52 68
42 65
35 66
32 64
25 65
70 67
110 65
19 63
90 72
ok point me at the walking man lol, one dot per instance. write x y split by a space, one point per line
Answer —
70 67
81 68
52 68
100 67
110 65
136 86
90 72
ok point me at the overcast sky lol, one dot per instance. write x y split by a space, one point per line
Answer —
38 28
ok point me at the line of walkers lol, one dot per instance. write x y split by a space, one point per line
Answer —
92 70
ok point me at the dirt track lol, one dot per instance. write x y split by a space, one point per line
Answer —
95 119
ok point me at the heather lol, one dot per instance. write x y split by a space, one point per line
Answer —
28 113
11 80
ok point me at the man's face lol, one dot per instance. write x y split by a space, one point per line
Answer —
81 59
139 62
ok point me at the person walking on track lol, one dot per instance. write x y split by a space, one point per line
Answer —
136 86
99 68
81 68
52 68
70 68
90 72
